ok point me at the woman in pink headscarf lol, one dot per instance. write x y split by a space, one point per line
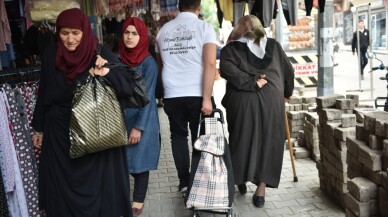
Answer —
142 124
94 185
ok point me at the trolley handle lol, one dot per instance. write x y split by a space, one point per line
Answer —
220 119
216 110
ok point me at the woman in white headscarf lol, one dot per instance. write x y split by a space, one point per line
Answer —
259 80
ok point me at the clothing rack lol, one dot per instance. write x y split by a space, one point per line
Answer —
20 71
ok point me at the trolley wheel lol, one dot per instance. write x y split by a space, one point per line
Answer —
196 214
230 213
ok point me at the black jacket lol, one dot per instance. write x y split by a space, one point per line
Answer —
364 41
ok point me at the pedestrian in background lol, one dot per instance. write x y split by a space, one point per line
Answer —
259 80
364 44
96 184
186 55
142 123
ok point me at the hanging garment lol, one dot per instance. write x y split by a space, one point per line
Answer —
220 14
168 6
155 6
309 6
16 197
227 9
264 10
7 56
102 7
3 200
5 29
24 153
290 11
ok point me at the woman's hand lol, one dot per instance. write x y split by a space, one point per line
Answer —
134 136
99 69
37 139
261 81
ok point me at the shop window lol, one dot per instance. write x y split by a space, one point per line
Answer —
378 30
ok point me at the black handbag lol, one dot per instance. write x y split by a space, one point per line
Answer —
139 97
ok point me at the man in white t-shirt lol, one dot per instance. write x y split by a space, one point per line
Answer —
186 55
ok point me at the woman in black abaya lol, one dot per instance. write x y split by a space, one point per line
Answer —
94 185
259 78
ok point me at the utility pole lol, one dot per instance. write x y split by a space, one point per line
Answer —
325 50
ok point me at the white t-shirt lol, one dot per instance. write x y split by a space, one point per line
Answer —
180 43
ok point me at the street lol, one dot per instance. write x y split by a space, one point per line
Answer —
346 78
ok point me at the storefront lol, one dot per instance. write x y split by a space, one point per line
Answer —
376 22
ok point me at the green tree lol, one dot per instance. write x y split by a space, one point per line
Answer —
209 10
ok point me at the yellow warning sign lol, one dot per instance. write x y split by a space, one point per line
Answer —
306 69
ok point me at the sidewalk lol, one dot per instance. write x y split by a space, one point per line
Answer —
302 198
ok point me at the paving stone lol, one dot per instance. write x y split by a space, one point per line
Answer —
353 145
361 209
328 101
331 114
295 100
385 147
294 115
374 176
361 133
354 97
371 159
386 130
345 104
341 133
375 142
301 153
359 115
380 127
384 180
383 202
354 166
281 211
370 119
348 120
349 213
362 189
341 145
309 100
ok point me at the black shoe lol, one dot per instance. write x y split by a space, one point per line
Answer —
258 201
242 188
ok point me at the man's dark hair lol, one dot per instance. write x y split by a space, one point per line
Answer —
361 20
188 5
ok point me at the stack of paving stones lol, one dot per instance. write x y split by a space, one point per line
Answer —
336 123
309 136
296 110
367 159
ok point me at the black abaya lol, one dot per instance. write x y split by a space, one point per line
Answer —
94 185
256 116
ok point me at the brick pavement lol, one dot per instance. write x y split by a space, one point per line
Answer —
302 198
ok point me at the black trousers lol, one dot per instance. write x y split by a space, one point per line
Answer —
363 61
140 186
183 112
